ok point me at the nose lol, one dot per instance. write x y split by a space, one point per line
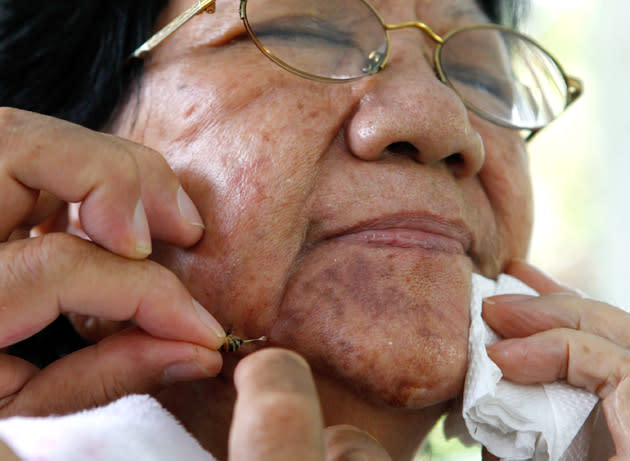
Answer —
408 110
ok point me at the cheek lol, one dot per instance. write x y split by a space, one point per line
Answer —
507 183
250 171
259 154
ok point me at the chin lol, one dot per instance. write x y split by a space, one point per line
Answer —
391 324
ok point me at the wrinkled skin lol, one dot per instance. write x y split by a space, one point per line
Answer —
286 164
341 221
280 166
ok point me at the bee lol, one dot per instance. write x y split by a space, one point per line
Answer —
233 343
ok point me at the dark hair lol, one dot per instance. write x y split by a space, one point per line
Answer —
506 12
67 59
491 8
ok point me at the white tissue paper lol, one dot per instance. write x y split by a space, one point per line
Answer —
515 421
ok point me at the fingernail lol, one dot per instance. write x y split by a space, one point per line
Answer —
185 371
141 230
506 299
188 209
209 320
499 351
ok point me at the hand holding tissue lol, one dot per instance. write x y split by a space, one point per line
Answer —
516 421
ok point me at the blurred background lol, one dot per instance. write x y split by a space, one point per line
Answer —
580 163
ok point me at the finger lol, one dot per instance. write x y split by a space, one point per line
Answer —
520 315
583 359
617 411
172 215
103 172
128 363
347 443
73 164
14 373
277 414
156 192
72 275
6 454
38 224
47 206
535 278
93 329
18 234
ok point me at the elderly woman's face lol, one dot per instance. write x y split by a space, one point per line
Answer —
343 220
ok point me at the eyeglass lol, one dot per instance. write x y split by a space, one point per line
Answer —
500 74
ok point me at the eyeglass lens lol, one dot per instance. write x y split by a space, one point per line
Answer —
330 40
504 76
498 73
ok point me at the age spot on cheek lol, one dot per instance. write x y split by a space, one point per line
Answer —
356 282
355 286
364 318
190 111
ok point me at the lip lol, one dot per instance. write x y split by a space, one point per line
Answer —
409 231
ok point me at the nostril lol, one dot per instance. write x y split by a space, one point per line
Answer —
403 148
456 163
454 159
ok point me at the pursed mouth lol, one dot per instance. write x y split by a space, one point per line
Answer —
405 238
410 232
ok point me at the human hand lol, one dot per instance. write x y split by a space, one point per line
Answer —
561 335
277 415
115 181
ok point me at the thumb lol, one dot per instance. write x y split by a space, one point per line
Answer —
348 443
131 362
617 411
6 454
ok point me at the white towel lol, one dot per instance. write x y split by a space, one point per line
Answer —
135 427
515 421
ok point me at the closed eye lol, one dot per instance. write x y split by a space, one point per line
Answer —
303 29
478 79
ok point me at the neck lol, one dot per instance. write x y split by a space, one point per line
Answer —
400 431
205 409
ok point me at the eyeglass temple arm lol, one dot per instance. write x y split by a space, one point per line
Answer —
574 86
201 6
575 89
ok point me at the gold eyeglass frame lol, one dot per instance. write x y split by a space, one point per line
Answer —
573 84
